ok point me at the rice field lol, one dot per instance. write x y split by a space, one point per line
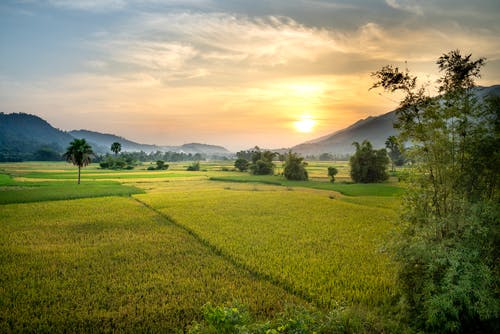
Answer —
143 251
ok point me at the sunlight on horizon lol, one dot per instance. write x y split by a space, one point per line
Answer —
305 124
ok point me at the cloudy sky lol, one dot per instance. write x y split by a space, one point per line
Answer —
236 73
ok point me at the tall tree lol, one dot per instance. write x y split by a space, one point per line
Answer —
295 167
116 147
395 151
367 164
449 247
79 153
262 162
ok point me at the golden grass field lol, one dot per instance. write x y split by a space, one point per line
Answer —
145 250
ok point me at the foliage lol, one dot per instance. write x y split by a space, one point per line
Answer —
79 153
395 151
295 167
332 171
195 166
124 161
242 164
294 320
326 157
116 148
46 153
160 165
368 165
262 162
165 156
449 249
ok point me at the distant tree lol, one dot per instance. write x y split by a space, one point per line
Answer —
79 153
326 157
160 165
395 151
295 167
46 153
368 165
241 164
116 147
195 166
262 162
247 155
332 171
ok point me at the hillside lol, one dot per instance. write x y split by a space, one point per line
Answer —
375 129
104 140
22 135
29 137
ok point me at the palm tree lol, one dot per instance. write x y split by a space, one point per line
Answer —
79 153
116 147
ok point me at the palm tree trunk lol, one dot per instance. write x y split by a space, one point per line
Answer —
79 174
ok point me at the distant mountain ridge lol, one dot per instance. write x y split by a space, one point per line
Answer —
376 129
22 136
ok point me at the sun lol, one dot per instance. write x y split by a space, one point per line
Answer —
305 124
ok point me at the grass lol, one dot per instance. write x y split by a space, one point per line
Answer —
112 265
327 250
349 189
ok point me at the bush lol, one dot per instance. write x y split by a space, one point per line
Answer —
161 165
332 171
121 162
262 162
241 164
368 165
195 166
295 167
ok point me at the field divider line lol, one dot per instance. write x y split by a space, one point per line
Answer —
234 261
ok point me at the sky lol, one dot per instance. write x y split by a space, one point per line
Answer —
235 73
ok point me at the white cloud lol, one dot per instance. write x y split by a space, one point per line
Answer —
411 6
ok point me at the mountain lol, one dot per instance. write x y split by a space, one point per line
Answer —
104 141
204 148
28 137
376 129
23 135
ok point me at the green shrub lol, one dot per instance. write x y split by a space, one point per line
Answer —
295 167
332 171
195 166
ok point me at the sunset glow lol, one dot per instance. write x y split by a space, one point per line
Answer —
224 72
305 124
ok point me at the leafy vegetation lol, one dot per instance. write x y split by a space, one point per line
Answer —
449 248
241 164
116 147
295 167
195 166
160 165
395 151
262 162
79 153
368 165
332 171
